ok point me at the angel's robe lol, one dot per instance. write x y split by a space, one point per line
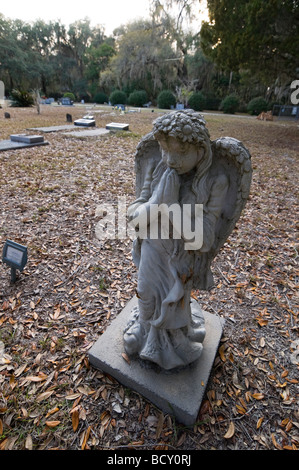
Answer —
167 332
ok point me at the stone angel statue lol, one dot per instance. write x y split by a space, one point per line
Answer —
200 187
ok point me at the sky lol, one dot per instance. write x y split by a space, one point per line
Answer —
109 13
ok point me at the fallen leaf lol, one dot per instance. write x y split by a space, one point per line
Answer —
73 396
36 378
75 419
181 440
52 424
241 410
159 425
262 342
259 423
116 407
258 396
126 358
44 396
289 426
221 352
28 442
275 443
11 442
3 444
52 411
85 438
20 370
262 321
230 432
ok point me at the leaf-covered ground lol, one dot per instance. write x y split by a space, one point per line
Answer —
74 285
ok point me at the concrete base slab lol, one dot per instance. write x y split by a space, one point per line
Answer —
53 128
87 133
178 393
11 145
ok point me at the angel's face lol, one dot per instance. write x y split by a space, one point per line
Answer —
181 156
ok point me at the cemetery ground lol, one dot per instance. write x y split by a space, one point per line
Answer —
74 285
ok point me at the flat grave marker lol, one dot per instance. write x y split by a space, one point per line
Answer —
117 126
85 122
27 139
18 141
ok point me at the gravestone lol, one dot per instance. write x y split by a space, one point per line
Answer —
120 106
27 139
66 102
85 122
7 115
69 117
117 126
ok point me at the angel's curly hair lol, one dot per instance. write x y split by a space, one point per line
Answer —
188 126
185 125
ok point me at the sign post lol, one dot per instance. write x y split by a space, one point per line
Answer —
15 256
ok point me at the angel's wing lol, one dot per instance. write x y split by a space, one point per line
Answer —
232 159
147 157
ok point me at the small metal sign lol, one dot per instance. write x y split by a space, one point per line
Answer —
15 256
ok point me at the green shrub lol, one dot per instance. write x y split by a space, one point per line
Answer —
197 101
257 106
21 98
69 95
230 104
118 97
212 102
100 98
166 99
138 98
242 108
